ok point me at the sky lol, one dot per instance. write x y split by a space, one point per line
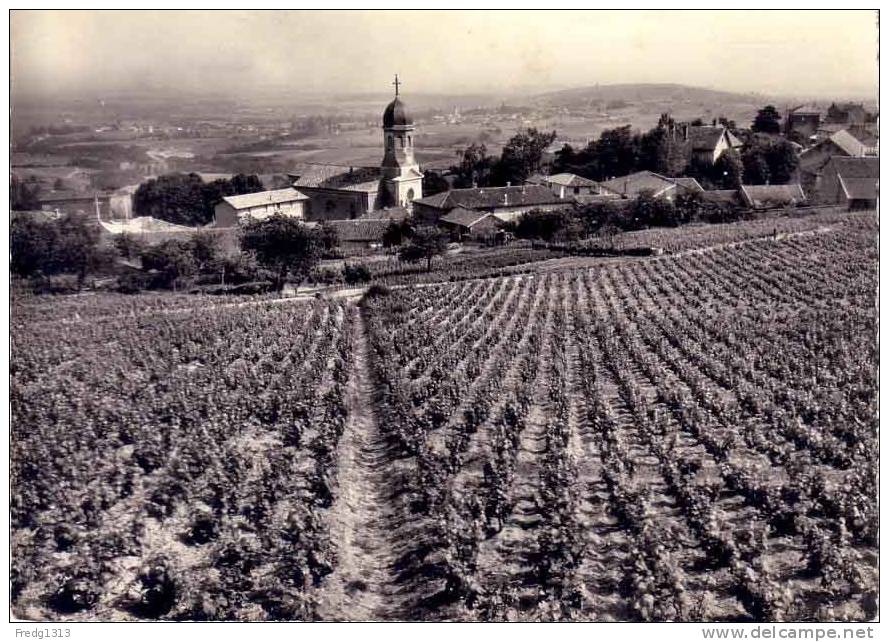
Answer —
811 53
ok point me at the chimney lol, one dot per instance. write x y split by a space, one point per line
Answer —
509 183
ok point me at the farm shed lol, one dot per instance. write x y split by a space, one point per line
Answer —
566 185
763 197
360 234
634 185
852 182
469 224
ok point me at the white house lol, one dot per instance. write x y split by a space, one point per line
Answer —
235 210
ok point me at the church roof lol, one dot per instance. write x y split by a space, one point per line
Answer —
354 179
396 115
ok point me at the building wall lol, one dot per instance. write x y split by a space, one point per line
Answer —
227 216
337 205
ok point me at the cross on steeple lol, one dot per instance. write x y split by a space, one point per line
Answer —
396 83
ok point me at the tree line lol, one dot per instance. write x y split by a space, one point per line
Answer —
185 199
765 156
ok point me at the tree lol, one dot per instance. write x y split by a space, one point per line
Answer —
769 159
31 244
129 246
475 168
186 199
522 155
173 260
728 170
23 196
283 245
767 121
396 233
77 249
425 243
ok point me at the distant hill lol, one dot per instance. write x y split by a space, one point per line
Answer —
666 93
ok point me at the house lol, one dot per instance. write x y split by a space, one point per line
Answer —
471 224
709 142
235 210
566 185
811 160
634 185
763 197
847 114
360 234
508 202
852 182
802 123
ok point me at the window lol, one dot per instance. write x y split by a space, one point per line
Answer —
410 195
351 210
390 144
329 206
410 140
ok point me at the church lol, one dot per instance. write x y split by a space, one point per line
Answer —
337 192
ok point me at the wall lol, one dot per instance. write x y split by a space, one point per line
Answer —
227 216
333 205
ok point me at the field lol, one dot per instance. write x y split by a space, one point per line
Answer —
690 436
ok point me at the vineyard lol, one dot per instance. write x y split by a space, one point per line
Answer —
686 437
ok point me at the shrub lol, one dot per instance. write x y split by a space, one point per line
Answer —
356 274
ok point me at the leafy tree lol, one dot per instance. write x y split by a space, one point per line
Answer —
767 121
425 243
129 246
77 249
173 260
538 224
186 199
205 249
522 155
31 244
728 170
23 196
396 233
283 245
355 273
434 183
476 167
769 159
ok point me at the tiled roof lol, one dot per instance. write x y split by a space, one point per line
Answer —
859 188
272 197
589 199
705 137
633 184
847 142
356 179
389 213
720 196
493 197
463 217
689 183
860 167
772 195
569 180
360 229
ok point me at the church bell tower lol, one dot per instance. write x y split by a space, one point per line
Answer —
401 176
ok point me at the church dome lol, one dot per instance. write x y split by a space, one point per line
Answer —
396 115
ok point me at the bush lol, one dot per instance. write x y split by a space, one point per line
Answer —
75 594
356 274
131 283
377 291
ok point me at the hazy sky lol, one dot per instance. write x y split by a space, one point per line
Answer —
790 53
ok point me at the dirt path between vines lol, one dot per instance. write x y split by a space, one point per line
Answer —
363 522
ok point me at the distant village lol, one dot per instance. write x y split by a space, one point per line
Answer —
836 152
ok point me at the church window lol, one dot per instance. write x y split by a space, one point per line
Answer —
410 195
390 143
410 141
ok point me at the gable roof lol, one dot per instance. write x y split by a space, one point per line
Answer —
271 197
354 179
846 142
464 218
632 185
689 183
855 167
705 137
724 196
360 229
759 196
566 179
859 188
477 198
